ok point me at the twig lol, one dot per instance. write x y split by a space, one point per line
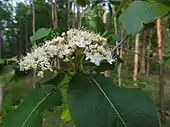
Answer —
119 43
130 51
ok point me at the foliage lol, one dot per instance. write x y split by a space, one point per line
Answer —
95 101
6 74
91 19
39 34
141 12
30 113
81 2
89 99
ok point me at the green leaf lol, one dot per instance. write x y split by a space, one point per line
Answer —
30 112
122 5
40 33
54 80
6 74
96 102
141 12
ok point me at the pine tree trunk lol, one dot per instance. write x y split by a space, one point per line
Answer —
26 34
68 14
78 16
1 85
33 31
161 71
148 54
120 55
136 60
143 52
74 15
54 14
104 17
33 17
1 39
55 25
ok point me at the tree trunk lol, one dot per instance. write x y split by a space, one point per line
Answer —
104 17
1 85
143 52
104 14
1 39
54 14
148 54
74 15
161 71
55 25
26 34
68 13
33 31
78 16
126 54
33 17
120 55
136 60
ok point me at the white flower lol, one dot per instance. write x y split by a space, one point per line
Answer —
65 47
96 59
40 73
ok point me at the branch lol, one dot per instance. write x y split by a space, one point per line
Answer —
120 43
147 57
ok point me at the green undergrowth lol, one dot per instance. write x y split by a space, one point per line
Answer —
17 89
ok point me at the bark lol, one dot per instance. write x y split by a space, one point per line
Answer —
55 25
148 61
104 15
126 54
74 15
78 17
54 14
1 87
26 34
161 71
68 13
33 17
33 31
143 52
1 39
120 55
136 60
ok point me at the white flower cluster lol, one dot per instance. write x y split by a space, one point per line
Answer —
91 45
